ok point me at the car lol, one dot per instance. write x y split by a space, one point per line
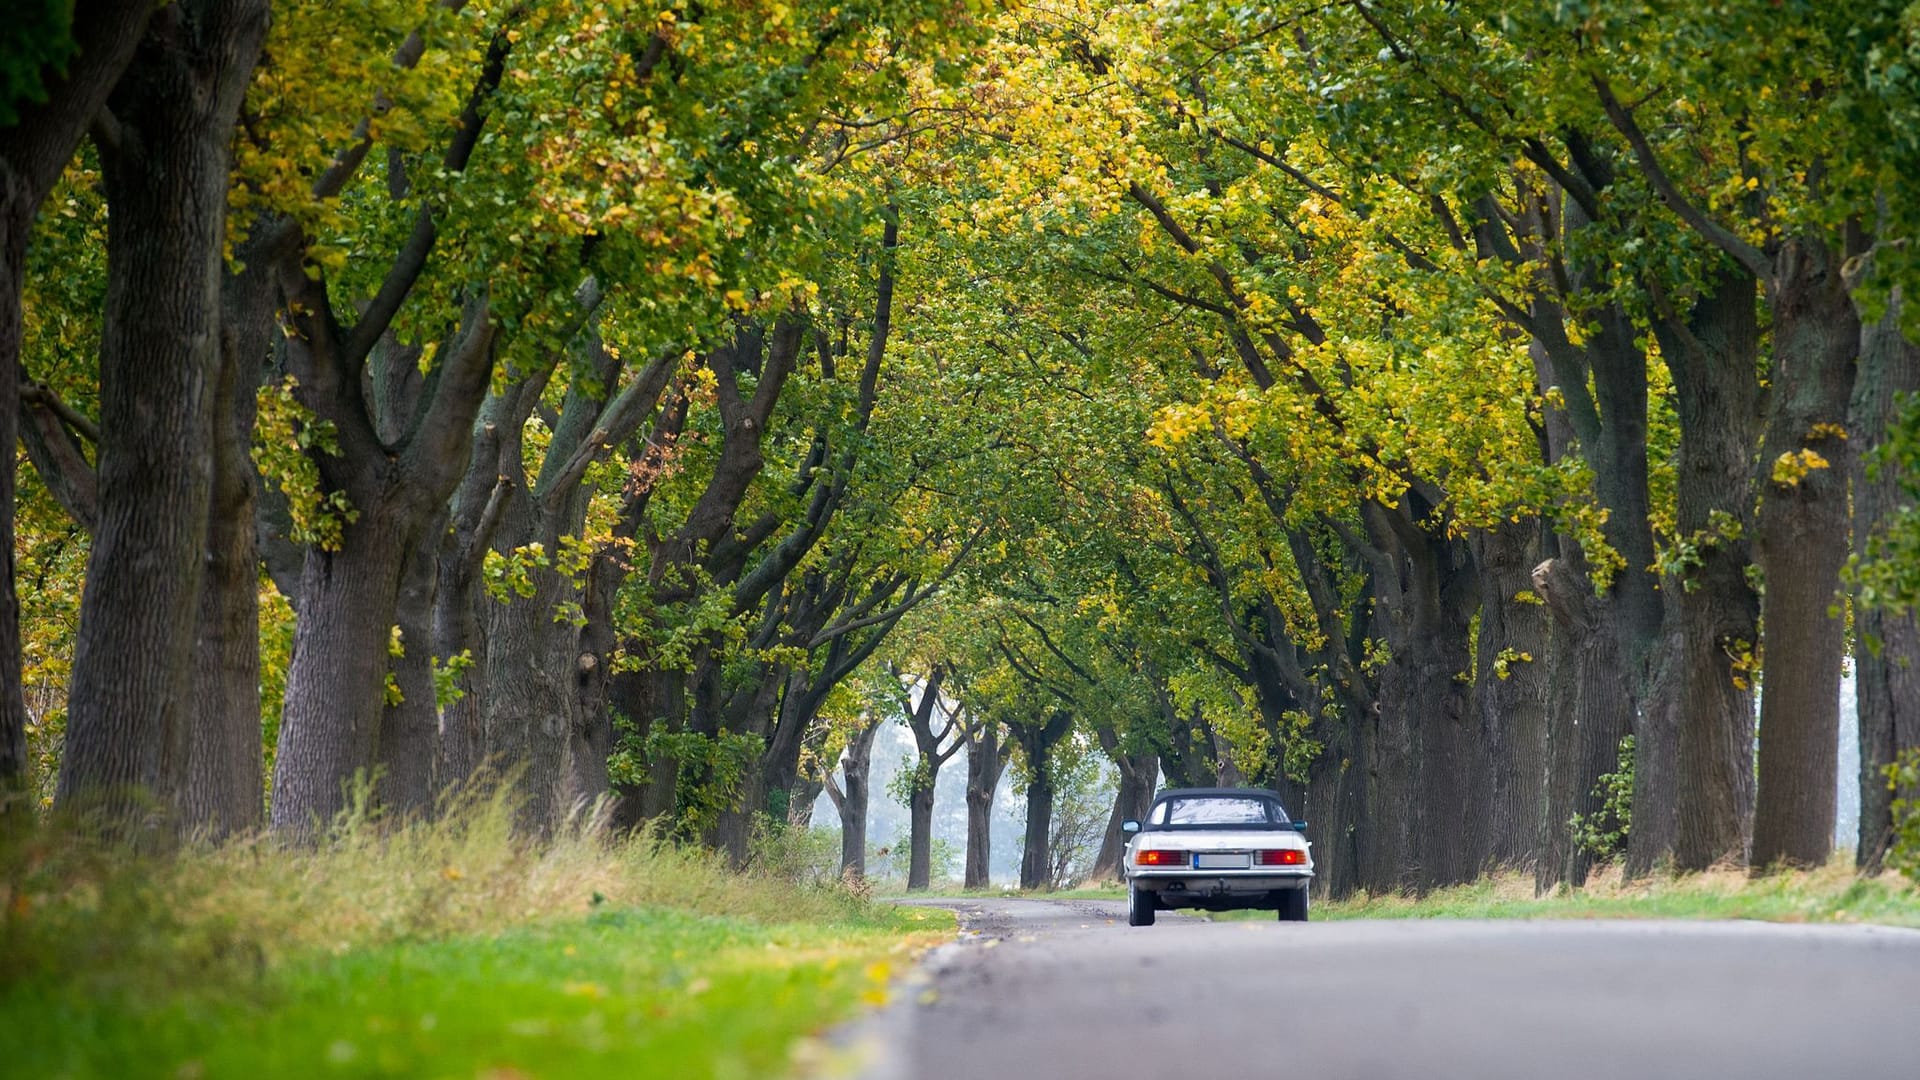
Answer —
1218 849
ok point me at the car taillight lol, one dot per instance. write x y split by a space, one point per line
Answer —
1282 857
1160 858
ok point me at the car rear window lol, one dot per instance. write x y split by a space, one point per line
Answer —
1218 810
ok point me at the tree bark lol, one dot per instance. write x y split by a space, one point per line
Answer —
475 512
165 162
592 738
336 684
1802 546
1712 610
1590 718
225 791
410 727
527 715
1425 593
1887 656
1510 697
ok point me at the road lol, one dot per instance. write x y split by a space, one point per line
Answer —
1065 989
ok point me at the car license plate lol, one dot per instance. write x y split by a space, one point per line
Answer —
1231 860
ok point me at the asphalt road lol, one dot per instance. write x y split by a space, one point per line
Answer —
1068 990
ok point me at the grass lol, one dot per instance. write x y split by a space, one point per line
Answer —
449 949
1831 894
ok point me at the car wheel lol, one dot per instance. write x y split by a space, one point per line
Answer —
1293 905
1140 906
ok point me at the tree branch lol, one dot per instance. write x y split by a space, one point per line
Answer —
1752 258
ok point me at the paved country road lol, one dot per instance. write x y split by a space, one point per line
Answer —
1066 989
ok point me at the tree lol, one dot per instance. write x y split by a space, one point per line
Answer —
38 141
166 169
850 799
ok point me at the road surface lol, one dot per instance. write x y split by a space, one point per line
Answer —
1065 989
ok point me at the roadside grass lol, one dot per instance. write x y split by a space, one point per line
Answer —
443 949
1831 894
1834 893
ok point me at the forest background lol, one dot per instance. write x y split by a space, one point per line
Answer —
1489 425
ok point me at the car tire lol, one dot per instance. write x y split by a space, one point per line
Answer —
1293 905
1140 906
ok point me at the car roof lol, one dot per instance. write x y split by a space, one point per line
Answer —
1186 792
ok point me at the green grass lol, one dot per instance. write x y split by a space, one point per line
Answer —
642 992
1833 894
445 949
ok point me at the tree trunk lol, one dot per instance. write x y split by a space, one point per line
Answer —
225 791
934 747
920 839
660 696
1336 790
802 795
1887 657
460 750
16 221
166 170
33 154
744 709
410 727
1037 743
1036 856
1802 546
1590 718
1510 697
1132 797
528 712
336 684
792 729
1425 593
1712 610
856 766
1599 670
979 861
1188 758
592 739
986 760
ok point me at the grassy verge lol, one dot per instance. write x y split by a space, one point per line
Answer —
1833 894
442 950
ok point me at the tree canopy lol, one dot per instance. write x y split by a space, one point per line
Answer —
1402 405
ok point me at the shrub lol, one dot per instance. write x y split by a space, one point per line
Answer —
1604 832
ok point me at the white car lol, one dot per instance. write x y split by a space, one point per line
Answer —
1217 849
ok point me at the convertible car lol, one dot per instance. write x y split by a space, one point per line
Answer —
1217 849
